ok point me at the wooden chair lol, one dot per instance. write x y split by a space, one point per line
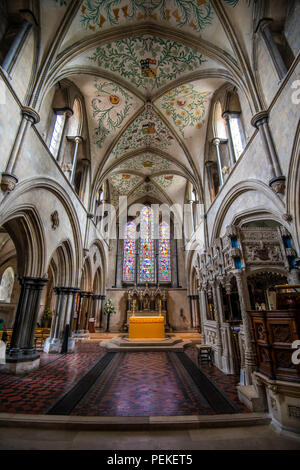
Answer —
38 338
204 354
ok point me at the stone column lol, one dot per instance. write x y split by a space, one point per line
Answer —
16 45
21 355
226 117
188 219
79 311
217 142
9 179
203 311
96 310
261 122
78 140
245 305
264 28
68 112
218 324
191 310
102 297
83 185
74 293
62 317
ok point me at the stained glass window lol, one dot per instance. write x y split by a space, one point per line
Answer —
129 253
164 262
147 271
146 251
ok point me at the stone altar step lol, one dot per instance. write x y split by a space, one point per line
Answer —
149 344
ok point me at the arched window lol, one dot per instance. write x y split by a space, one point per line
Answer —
7 284
153 265
164 259
219 123
237 134
57 134
146 252
74 127
129 253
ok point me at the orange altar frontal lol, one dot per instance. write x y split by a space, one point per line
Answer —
147 327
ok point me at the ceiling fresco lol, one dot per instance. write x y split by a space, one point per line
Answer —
124 182
147 62
185 107
148 130
110 107
147 164
195 14
118 72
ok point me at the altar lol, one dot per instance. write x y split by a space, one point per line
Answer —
147 303
147 327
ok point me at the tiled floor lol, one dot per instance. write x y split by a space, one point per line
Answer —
37 391
141 384
227 383
144 384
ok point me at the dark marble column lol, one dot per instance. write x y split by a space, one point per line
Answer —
22 343
103 297
74 292
78 320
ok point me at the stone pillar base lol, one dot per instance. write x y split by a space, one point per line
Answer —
283 400
81 334
54 345
249 396
20 366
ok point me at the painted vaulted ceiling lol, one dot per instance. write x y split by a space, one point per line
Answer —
148 71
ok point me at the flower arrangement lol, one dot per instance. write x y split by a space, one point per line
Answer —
109 309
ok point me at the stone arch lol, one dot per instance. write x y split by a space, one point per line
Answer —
103 263
293 187
237 191
86 277
30 215
25 228
64 264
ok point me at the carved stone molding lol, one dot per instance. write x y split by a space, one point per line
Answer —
30 114
8 182
54 220
278 184
260 118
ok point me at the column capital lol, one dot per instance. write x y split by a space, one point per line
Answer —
260 118
263 23
216 141
78 139
35 282
30 114
85 162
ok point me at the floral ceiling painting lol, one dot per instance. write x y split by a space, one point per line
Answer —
194 14
184 106
110 107
148 130
146 164
147 62
124 182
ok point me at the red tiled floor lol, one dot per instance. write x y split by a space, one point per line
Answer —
35 392
142 384
227 383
